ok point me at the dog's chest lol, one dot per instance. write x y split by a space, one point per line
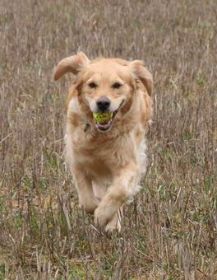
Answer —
96 160
103 158
96 167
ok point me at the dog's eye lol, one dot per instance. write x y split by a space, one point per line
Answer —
92 85
117 85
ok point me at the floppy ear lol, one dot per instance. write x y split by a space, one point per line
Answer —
142 74
72 64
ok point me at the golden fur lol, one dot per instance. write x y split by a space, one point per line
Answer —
106 166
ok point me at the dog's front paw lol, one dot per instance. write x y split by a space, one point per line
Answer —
114 224
103 215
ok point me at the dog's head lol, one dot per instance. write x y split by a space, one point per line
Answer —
105 87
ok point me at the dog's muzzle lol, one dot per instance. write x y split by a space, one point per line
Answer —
104 117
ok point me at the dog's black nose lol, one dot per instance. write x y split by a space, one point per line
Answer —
103 103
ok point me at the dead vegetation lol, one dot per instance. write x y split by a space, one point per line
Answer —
170 230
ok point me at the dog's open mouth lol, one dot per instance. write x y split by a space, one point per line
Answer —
103 121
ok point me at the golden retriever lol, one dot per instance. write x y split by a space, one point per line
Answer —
106 159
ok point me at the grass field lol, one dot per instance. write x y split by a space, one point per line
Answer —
170 230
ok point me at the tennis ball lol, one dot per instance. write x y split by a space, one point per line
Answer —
102 117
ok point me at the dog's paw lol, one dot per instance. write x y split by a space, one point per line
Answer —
113 225
103 215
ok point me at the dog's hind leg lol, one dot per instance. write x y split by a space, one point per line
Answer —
99 190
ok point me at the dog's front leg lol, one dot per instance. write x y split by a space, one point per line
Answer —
84 187
125 185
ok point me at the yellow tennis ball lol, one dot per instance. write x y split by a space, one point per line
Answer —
102 117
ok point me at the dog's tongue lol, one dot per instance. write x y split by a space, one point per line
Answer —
103 121
104 126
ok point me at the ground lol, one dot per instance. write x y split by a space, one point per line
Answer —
170 229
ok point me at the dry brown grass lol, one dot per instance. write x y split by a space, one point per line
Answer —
170 231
